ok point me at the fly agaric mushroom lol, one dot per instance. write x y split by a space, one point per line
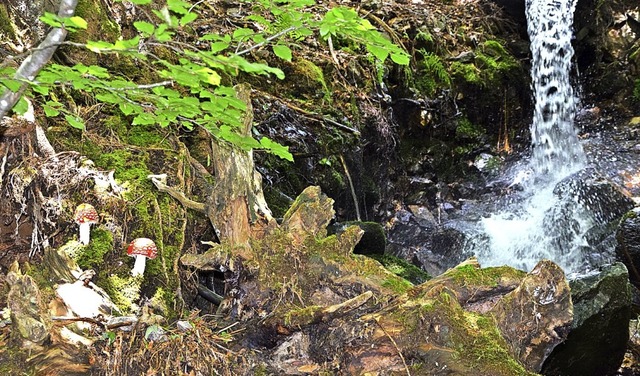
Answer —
85 216
141 248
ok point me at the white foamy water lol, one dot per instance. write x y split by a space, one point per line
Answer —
523 235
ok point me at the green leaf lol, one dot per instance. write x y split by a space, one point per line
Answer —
144 119
74 121
145 28
51 19
400 58
188 18
282 51
219 46
128 108
178 6
99 46
21 107
379 52
50 109
13 85
276 149
242 33
76 22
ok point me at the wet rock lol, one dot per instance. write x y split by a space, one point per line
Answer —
583 222
417 237
600 330
628 244
292 356
604 200
536 316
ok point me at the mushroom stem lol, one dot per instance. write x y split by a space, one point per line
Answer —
138 267
85 232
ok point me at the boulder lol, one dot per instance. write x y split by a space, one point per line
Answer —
417 237
536 316
600 330
628 245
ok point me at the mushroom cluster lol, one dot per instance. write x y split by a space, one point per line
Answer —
141 249
85 216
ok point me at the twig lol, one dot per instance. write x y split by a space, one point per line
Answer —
406 367
339 125
353 191
208 294
274 36
69 319
157 180
34 63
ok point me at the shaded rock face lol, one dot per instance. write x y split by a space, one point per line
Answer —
628 247
417 237
606 36
536 316
599 333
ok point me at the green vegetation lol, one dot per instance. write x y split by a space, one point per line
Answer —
193 90
92 256
432 74
636 90
403 269
491 64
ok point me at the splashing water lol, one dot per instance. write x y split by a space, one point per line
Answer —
538 227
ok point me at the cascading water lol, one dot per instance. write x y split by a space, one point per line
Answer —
539 226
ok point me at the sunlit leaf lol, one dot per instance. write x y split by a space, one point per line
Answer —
282 51
74 121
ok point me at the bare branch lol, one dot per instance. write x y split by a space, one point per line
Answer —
33 64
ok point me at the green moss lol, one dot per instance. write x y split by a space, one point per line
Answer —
397 285
403 269
491 64
99 25
302 316
480 342
432 74
315 75
473 275
467 129
6 26
92 255
124 291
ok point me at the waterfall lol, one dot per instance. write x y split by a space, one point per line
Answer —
556 150
539 226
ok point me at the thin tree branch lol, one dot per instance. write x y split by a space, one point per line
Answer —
274 36
33 64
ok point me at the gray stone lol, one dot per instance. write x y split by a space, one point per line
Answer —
599 333
420 240
628 244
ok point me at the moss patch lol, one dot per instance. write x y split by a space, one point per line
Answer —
92 256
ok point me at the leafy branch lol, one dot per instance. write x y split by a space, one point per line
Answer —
189 91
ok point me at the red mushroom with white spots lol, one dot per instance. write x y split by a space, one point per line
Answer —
141 249
85 216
